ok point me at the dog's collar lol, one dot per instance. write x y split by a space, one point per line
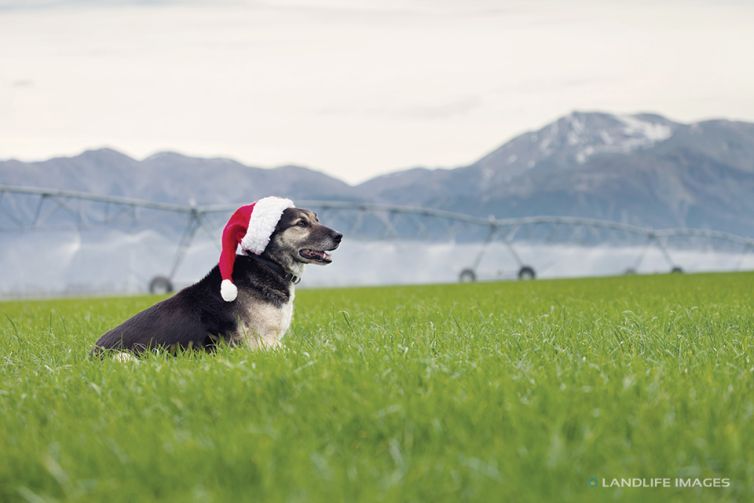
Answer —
279 269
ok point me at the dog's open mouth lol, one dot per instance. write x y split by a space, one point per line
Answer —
320 256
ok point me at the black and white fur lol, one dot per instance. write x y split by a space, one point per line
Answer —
198 318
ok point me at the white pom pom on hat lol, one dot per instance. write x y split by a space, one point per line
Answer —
228 290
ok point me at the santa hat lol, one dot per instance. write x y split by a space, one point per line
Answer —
251 226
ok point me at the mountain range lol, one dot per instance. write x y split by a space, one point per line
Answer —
641 169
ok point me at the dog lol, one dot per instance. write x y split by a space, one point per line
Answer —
198 318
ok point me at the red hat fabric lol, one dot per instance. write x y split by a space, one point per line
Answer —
251 226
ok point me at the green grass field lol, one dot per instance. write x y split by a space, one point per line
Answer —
487 392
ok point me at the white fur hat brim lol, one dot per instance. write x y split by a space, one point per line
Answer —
262 222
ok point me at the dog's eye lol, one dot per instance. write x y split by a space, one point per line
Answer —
303 223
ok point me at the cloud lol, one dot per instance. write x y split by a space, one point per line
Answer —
428 111
15 5
458 107
22 83
324 7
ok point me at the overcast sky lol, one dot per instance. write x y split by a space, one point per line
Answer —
354 87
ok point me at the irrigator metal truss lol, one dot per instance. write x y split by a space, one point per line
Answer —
27 209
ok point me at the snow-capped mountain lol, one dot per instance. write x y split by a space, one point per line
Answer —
643 169
573 139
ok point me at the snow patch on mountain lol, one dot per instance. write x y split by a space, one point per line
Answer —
626 134
580 135
652 131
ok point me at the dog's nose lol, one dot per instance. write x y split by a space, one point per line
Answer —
337 237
